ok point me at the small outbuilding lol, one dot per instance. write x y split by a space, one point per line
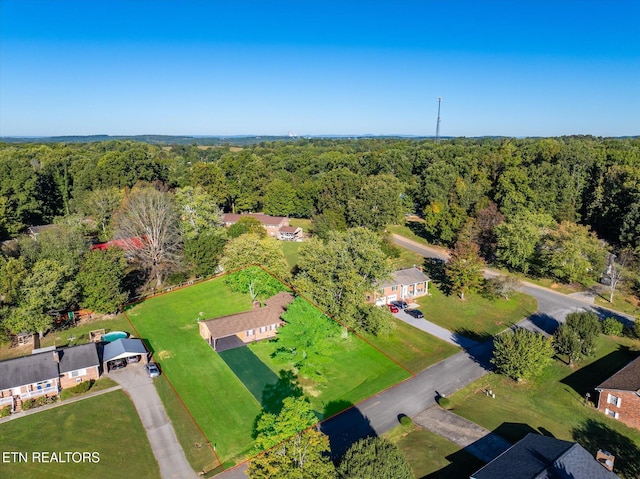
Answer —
123 349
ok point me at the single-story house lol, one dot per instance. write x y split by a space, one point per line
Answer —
543 457
123 349
259 323
404 285
276 226
34 231
28 377
45 372
619 396
77 364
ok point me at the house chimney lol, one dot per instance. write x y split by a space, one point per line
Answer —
606 459
56 357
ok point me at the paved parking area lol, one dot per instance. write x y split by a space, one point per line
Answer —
435 330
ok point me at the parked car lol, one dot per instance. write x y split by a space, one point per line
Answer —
133 359
117 364
400 304
152 370
393 308
416 313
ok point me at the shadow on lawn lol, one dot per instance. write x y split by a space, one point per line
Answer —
585 379
250 370
594 435
345 428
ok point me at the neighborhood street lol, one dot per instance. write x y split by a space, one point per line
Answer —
381 412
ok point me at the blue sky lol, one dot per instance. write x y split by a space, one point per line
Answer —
514 68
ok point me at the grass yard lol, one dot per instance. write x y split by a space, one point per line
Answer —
555 404
291 252
217 399
475 317
69 337
432 456
107 424
225 392
411 347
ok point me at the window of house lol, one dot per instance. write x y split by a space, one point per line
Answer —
611 413
394 288
273 326
616 401
250 332
77 373
263 329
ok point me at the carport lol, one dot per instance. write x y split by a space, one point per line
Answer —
122 349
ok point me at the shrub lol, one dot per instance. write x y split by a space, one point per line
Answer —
612 327
406 421
374 458
82 387
444 402
522 354
28 404
5 411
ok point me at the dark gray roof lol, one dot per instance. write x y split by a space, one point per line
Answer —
123 348
78 357
542 457
627 379
27 370
405 276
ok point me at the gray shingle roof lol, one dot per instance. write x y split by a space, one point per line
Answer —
542 457
123 348
27 370
78 357
405 276
627 379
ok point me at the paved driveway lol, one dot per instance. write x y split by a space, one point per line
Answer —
164 443
435 330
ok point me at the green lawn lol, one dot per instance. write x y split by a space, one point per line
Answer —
555 404
291 251
194 444
106 424
217 399
224 392
475 317
69 337
411 347
432 456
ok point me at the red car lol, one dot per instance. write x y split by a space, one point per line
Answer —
393 308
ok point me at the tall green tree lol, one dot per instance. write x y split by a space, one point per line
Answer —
250 249
517 240
587 326
279 198
337 273
292 448
379 202
522 354
465 268
374 458
101 280
567 341
198 212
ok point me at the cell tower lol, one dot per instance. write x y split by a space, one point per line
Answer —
438 122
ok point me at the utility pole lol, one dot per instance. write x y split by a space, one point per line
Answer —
438 122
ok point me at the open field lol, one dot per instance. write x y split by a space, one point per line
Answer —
432 456
555 405
291 251
475 317
108 425
226 392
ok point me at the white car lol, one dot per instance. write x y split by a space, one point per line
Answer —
152 370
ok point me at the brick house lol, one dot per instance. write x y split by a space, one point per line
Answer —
619 396
277 226
46 372
238 329
404 285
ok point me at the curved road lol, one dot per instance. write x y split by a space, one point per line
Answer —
381 412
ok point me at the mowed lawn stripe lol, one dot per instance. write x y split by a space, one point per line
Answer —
223 407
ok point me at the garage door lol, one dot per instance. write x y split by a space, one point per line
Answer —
392 297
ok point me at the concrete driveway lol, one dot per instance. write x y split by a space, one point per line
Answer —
164 443
435 330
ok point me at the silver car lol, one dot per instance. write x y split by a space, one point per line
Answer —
152 370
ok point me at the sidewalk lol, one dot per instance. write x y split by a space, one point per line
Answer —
476 440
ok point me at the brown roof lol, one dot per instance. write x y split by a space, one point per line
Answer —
289 229
627 379
256 318
232 218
